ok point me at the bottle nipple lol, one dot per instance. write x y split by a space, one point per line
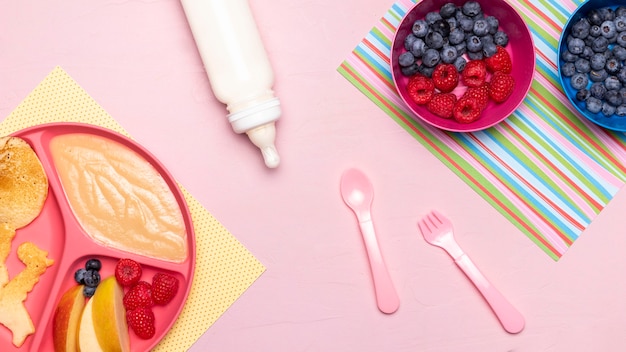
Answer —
263 137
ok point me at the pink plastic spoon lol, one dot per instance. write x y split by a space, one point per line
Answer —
357 193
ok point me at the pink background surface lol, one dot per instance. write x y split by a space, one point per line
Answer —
138 60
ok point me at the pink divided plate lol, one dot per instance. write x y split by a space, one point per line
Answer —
57 231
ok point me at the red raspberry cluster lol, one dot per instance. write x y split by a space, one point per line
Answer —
486 79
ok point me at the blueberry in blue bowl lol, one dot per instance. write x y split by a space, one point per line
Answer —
592 62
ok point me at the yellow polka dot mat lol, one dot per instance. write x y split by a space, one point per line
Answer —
224 267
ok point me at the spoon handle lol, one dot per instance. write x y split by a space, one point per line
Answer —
386 296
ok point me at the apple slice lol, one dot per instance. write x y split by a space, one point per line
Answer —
87 339
66 319
109 316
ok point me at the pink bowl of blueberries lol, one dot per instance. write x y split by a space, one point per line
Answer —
592 62
462 66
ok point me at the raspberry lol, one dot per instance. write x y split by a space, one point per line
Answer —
139 296
500 61
480 94
442 105
164 288
445 77
475 73
127 272
421 89
501 86
141 321
466 110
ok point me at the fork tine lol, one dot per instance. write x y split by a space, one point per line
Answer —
436 218
423 226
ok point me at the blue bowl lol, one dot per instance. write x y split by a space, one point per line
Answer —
615 123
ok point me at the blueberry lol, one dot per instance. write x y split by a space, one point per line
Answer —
432 17
621 110
612 66
613 97
576 46
460 63
466 24
447 10
425 70
597 61
442 27
474 44
567 56
612 83
587 53
92 278
608 29
622 93
501 38
594 17
568 69
581 28
493 23
410 70
409 40
93 264
621 39
471 8
621 75
489 49
607 14
619 52
456 36
597 90
478 55
595 31
420 28
79 276
406 59
582 66
418 48
620 11
431 58
620 23
448 54
452 22
481 27
598 75
88 291
593 105
459 14
478 16
461 48
583 94
608 109
434 40
579 81
600 44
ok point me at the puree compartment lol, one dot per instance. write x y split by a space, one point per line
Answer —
57 231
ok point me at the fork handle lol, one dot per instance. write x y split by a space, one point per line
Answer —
386 296
511 319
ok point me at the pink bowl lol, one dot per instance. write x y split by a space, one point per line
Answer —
520 48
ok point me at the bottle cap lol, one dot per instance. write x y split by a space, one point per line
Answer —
255 116
263 137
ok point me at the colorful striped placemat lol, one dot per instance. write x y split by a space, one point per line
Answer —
545 168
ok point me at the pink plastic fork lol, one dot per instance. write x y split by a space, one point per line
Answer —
437 230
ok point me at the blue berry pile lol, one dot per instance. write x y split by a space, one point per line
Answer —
595 60
89 276
450 36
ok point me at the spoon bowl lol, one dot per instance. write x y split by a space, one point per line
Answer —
357 190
